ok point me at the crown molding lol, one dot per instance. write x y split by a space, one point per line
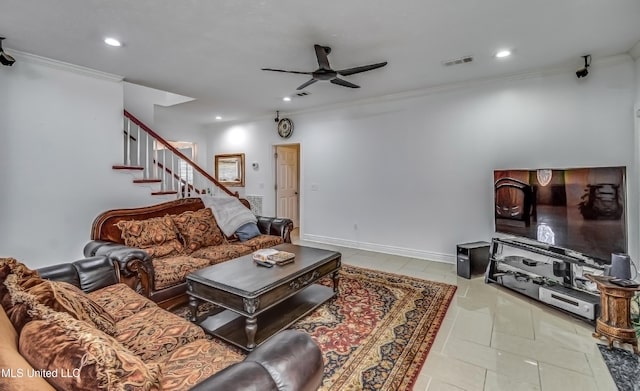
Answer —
417 93
635 51
431 90
28 57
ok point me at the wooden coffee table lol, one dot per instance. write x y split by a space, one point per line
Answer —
260 301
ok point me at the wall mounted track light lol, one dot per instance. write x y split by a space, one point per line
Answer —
5 59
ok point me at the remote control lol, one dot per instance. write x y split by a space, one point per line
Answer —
625 283
264 264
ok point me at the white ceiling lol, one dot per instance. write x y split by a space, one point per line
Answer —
213 50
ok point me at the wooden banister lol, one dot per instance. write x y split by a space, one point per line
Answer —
170 147
181 180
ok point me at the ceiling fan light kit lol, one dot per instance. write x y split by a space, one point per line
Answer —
326 73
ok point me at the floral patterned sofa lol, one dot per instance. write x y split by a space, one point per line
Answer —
158 246
55 335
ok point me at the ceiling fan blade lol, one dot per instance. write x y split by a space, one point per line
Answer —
308 83
282 70
344 83
364 68
321 54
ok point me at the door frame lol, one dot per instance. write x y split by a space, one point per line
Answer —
298 148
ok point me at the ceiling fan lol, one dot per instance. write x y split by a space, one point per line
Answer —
326 73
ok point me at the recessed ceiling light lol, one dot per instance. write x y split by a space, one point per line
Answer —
112 42
218 117
286 99
503 53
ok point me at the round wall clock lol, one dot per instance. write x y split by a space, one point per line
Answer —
285 128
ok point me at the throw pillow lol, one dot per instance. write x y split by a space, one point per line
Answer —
247 231
198 229
24 275
59 296
17 301
11 360
62 296
81 357
147 234
12 266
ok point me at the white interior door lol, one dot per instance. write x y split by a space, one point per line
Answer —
287 192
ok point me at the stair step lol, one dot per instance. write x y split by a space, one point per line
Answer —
147 180
164 192
127 168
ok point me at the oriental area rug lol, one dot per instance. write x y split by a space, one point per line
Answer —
376 334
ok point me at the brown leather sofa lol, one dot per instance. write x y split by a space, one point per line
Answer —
163 278
153 349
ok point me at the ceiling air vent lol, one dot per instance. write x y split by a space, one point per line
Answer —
303 93
456 61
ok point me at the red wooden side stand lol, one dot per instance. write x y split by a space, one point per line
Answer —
614 322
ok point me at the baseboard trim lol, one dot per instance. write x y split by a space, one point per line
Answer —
382 248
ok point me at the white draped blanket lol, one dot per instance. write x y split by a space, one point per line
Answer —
229 212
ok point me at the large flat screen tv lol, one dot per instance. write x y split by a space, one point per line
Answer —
580 209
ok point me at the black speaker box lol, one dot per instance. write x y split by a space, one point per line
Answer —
472 258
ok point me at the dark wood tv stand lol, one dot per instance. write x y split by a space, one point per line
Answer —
550 274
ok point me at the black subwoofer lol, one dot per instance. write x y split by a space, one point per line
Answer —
472 258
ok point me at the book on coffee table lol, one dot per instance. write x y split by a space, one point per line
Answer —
273 256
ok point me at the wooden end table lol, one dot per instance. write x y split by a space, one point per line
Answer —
259 301
614 322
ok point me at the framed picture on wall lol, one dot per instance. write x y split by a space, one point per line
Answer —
229 169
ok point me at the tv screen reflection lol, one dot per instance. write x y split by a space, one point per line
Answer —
580 209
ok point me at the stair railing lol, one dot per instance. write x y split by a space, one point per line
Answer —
162 163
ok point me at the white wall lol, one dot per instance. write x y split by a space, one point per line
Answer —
147 104
61 132
256 141
176 130
636 142
637 63
140 101
416 174
635 54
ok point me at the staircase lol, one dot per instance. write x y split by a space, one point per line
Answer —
161 163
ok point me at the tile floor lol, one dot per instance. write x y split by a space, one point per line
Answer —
494 339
